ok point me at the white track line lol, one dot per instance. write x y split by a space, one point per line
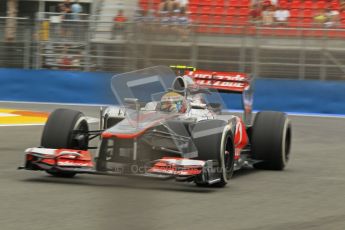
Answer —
89 120
322 115
316 115
8 115
56 103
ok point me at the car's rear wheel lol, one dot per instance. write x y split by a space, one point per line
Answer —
67 129
271 140
215 142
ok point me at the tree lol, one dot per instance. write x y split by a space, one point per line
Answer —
11 21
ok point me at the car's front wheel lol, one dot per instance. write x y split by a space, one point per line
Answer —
214 141
65 128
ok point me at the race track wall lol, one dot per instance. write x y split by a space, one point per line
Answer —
55 86
94 88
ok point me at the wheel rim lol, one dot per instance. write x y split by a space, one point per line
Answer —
82 127
286 143
228 157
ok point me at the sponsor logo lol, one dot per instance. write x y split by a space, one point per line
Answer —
237 77
220 83
72 163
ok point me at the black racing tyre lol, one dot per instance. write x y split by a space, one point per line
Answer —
58 130
215 142
271 140
58 133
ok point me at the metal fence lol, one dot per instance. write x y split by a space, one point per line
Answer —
279 52
95 43
62 42
15 42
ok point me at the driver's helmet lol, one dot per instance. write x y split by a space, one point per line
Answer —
173 102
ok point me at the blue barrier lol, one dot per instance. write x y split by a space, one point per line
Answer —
94 88
55 86
299 96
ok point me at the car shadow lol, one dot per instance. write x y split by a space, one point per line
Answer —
244 172
123 182
134 182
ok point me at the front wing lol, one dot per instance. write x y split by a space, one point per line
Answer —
80 161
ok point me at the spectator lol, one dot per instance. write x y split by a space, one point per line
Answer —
268 16
172 5
76 25
163 7
174 16
281 16
119 25
65 61
165 21
174 21
67 4
342 14
75 63
182 3
332 18
64 7
64 11
144 21
255 13
56 21
76 9
342 6
266 4
274 2
183 24
320 17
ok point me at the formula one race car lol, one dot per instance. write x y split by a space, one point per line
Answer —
166 126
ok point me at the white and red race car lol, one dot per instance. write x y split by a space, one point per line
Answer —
166 126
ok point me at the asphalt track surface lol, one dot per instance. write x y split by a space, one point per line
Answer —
308 195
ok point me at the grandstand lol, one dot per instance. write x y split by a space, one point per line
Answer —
222 13
222 36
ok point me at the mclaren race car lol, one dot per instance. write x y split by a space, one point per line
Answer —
166 126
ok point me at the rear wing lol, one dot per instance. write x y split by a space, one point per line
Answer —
225 82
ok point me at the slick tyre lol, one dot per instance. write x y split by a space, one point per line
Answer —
214 141
271 140
59 133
